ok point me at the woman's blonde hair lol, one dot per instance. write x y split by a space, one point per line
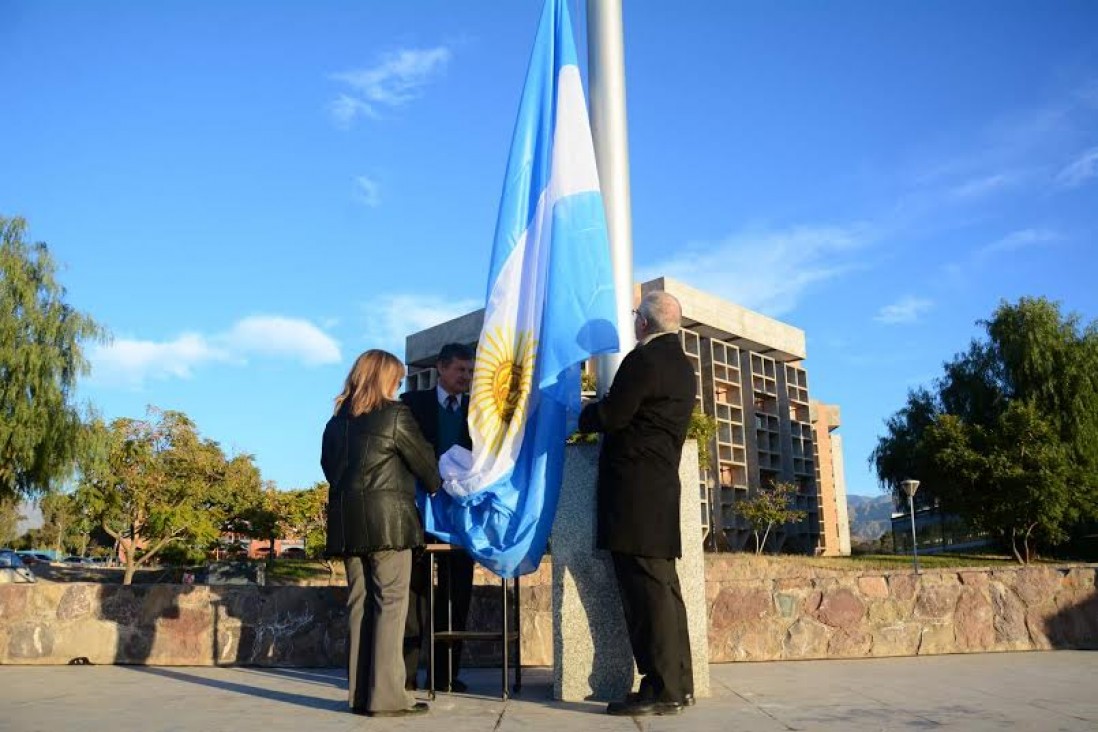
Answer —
371 383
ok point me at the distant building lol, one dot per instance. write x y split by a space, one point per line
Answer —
935 531
232 545
752 382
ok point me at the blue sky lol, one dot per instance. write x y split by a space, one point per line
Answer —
248 195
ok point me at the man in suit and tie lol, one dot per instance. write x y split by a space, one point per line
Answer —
442 413
644 419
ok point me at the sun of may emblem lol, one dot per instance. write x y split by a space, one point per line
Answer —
501 384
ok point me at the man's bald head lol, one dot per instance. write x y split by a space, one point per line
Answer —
661 312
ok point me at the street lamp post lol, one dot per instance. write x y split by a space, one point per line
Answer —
909 487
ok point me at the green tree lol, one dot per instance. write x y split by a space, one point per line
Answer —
9 521
1024 459
768 508
306 513
265 519
1008 436
703 428
239 496
59 513
150 483
67 522
41 357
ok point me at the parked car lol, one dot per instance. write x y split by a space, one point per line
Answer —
73 559
29 558
293 552
12 569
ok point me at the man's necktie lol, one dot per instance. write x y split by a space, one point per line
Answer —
451 403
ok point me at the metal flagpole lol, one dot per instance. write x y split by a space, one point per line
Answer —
606 73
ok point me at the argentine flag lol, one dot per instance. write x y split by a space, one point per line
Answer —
550 306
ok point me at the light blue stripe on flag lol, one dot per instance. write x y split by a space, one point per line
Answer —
550 285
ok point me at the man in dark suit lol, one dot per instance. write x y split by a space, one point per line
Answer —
644 419
442 413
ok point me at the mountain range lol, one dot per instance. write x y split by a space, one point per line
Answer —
870 516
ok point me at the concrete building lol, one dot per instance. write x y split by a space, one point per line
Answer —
752 381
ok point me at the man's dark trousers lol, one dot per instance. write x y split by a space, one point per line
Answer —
455 569
655 616
455 580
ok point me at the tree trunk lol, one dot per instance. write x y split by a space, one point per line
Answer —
131 566
766 535
1026 542
58 546
1014 546
331 569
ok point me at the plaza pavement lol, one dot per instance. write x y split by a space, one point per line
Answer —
1055 690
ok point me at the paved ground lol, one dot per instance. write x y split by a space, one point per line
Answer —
1020 691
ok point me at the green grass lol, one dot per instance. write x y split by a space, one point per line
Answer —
903 561
295 571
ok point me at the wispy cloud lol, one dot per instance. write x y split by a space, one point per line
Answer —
391 318
397 78
368 191
906 310
959 273
131 362
1016 240
1023 148
983 186
767 271
1079 170
345 108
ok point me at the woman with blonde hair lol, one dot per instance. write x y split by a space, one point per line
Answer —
372 454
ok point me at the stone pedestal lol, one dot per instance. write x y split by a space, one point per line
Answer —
591 654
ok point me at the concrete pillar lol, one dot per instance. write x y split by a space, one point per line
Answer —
591 654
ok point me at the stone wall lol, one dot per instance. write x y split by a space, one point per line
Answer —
180 625
758 610
842 614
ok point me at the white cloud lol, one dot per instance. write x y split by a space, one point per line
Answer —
398 78
907 310
767 271
1080 170
345 108
132 362
391 318
368 191
291 338
1016 240
983 186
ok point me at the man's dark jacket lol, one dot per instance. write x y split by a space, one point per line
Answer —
424 405
644 418
371 463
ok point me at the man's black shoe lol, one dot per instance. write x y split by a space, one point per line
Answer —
456 686
687 701
642 708
417 708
